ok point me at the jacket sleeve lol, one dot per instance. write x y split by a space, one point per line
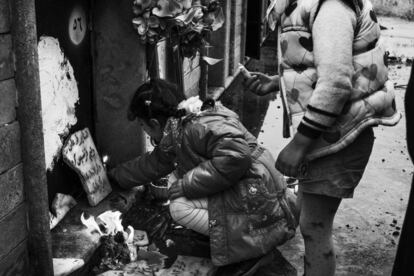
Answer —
143 169
333 34
227 155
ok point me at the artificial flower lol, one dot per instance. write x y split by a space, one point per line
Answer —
167 8
141 25
184 22
186 4
140 6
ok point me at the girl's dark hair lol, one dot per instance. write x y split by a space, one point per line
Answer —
156 99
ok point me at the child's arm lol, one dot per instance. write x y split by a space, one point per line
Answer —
259 83
143 169
229 157
333 35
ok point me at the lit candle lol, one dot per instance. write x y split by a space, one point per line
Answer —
105 160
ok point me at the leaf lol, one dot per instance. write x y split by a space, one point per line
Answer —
167 8
141 25
153 22
212 61
140 6
218 20
186 4
187 18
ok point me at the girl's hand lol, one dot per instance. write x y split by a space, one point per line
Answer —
176 190
114 183
261 84
292 157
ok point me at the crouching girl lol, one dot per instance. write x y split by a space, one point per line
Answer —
227 186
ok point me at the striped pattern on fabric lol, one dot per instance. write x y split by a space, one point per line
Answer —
191 213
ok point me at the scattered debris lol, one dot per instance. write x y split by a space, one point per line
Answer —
114 253
66 266
60 207
141 238
187 266
169 243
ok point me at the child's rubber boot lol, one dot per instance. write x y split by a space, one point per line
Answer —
245 268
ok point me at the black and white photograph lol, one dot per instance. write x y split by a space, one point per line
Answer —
206 138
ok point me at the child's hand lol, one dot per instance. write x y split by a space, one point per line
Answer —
292 157
261 84
176 190
114 183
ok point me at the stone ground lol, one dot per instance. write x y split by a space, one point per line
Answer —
367 227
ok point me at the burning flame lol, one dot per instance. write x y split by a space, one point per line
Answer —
112 223
105 159
91 224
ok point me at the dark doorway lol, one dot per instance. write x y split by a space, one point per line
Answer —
256 28
69 22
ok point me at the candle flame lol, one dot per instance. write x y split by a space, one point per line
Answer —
112 223
91 224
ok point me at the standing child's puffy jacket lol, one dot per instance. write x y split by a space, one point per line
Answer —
368 97
215 157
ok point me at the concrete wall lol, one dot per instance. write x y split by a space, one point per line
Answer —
13 229
120 67
400 8
248 106
228 44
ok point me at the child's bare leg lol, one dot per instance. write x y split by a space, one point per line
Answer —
316 220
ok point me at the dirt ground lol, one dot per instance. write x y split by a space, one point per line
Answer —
367 227
400 8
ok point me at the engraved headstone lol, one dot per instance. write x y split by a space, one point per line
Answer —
80 153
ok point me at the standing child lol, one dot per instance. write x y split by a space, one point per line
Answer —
334 84
227 188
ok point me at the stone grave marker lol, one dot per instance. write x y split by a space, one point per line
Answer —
80 153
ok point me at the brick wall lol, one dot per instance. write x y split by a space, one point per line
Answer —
13 228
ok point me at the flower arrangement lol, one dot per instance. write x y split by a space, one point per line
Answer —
184 22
